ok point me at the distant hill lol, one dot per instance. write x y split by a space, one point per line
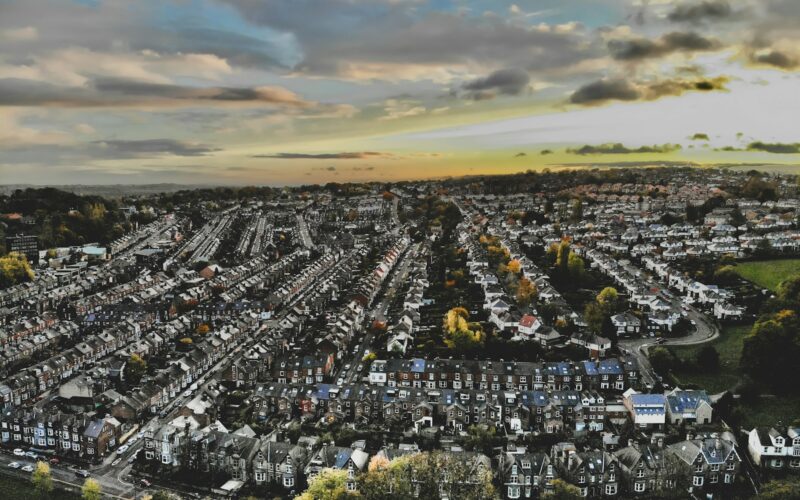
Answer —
109 190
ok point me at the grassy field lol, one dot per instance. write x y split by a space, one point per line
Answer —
771 410
768 273
729 347
13 488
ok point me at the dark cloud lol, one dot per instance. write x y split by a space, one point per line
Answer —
629 164
360 169
545 152
108 92
775 58
699 136
776 148
152 147
520 155
602 91
510 81
695 12
644 48
619 149
605 90
358 155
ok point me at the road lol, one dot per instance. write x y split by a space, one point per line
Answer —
705 330
303 228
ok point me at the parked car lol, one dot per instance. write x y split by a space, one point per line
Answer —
82 473
19 452
15 465
28 468
116 461
187 393
122 449
145 483
55 461
133 457
32 455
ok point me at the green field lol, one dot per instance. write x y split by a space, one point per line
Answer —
14 488
769 411
729 347
768 273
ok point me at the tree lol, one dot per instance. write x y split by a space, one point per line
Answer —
608 300
577 210
562 490
135 368
42 479
562 255
329 484
778 489
14 268
459 334
662 359
575 266
594 317
91 490
526 292
202 329
514 266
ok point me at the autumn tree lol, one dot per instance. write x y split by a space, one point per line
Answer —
91 490
42 479
14 268
459 333
202 329
562 490
608 300
526 292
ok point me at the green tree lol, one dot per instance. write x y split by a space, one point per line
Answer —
662 359
135 368
329 484
594 317
42 479
575 266
91 490
562 255
459 334
562 490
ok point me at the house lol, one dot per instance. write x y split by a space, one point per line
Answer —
523 474
703 464
775 449
627 324
646 410
279 463
528 325
688 407
336 457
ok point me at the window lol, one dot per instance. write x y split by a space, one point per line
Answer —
697 480
638 487
714 479
611 489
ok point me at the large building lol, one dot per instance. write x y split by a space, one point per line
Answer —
24 244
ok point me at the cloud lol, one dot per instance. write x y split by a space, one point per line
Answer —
359 155
776 58
619 149
620 89
694 12
25 34
776 148
546 152
643 48
520 155
152 147
699 136
113 92
511 81
605 90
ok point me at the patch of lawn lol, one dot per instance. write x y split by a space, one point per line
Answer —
16 488
771 410
768 273
729 347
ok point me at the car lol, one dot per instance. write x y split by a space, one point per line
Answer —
340 381
15 465
140 434
28 468
145 483
82 473
32 455
360 366
116 461
19 452
55 461
347 366
694 322
122 449
187 393
133 457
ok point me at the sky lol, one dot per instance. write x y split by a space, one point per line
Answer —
276 92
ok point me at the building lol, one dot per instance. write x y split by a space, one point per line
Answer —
26 244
